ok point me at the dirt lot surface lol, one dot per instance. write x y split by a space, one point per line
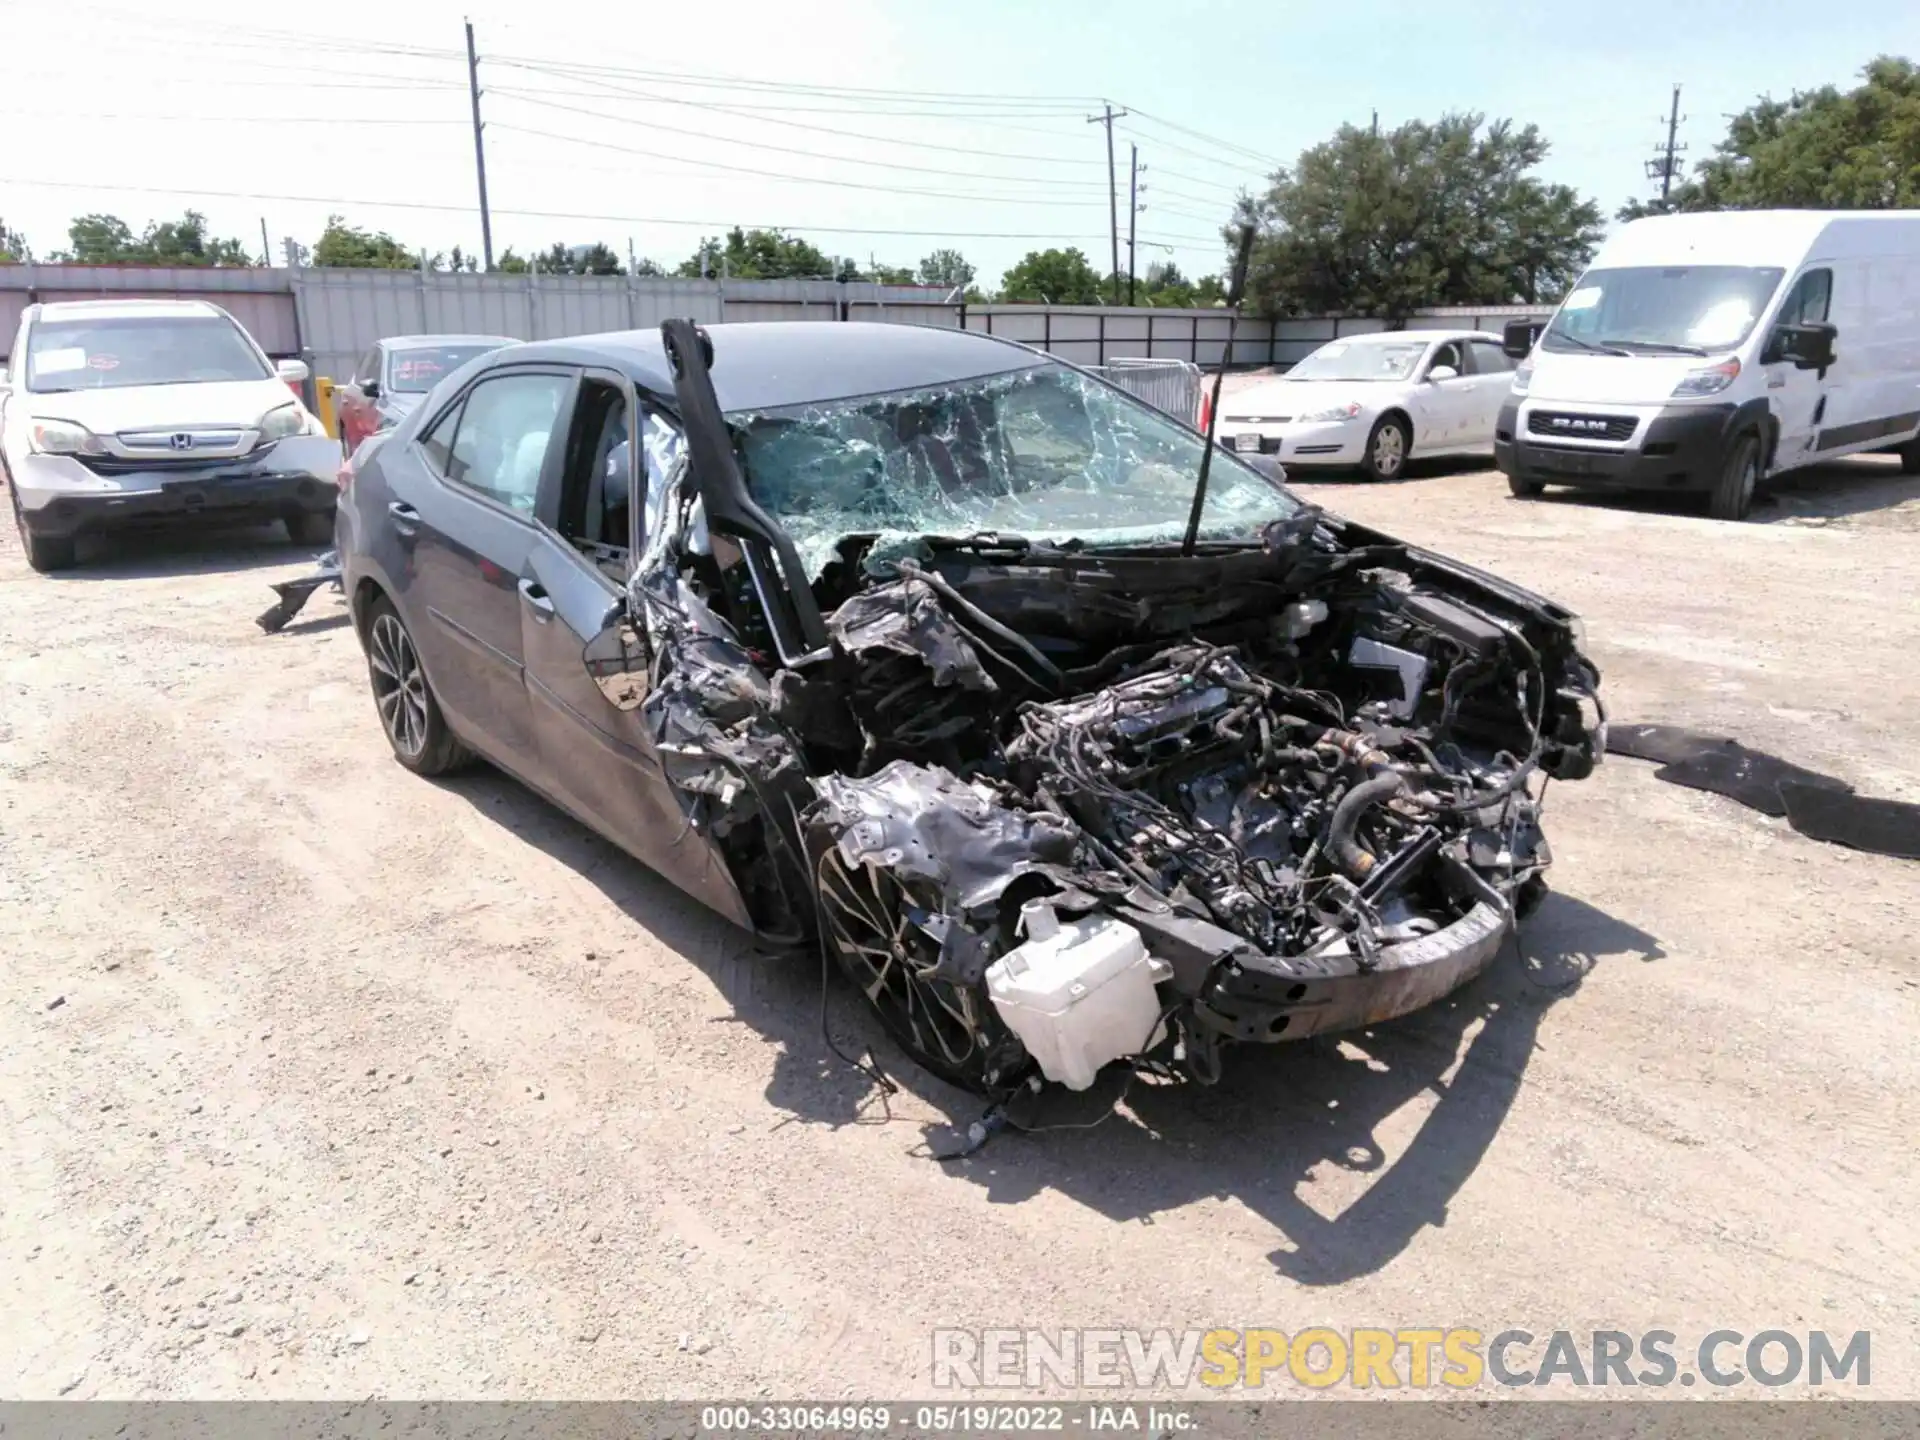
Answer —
319 1079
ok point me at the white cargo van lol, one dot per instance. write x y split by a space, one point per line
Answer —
1707 352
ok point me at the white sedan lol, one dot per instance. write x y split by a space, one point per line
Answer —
1375 401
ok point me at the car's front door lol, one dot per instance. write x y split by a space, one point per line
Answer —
471 527
1441 401
600 761
1798 398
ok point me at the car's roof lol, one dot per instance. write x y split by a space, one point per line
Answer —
126 309
410 342
769 364
1426 336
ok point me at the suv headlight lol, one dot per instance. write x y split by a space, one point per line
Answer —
63 437
1334 412
1709 381
281 422
1522 376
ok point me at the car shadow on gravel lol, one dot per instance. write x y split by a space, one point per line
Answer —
778 993
1284 1115
1858 485
1279 1117
159 553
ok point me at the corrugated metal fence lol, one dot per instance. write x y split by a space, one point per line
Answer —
331 317
1169 385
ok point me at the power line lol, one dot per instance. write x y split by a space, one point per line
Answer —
525 98
1213 140
251 119
794 179
725 82
747 112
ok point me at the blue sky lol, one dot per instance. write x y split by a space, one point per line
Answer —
597 132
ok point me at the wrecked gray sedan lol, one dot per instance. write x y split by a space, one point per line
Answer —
928 648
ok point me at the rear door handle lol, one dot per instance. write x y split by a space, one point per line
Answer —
406 519
541 603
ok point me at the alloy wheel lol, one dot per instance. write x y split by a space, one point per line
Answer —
399 685
876 927
1389 449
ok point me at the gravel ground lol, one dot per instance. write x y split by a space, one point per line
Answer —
317 1079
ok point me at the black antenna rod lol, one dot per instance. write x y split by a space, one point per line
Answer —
1236 287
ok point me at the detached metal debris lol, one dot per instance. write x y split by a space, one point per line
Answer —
294 594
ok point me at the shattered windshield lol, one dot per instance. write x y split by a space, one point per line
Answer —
1047 453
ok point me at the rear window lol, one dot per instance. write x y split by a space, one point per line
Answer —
138 350
418 371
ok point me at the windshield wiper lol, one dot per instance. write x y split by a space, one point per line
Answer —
982 540
1596 348
1665 347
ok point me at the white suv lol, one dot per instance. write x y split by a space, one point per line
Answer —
120 412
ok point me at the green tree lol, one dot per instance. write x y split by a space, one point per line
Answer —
946 268
98 240
1824 149
1440 213
348 246
511 263
13 246
759 255
644 266
459 261
894 275
109 240
1055 277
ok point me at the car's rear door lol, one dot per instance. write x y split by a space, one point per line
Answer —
469 523
1492 378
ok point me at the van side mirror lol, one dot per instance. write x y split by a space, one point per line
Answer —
370 389
1518 339
1809 347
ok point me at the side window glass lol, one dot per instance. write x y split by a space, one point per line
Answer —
369 366
1488 358
438 442
1811 298
1447 354
504 434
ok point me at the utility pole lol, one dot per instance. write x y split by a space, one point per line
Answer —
1133 210
479 150
1113 193
266 245
1666 163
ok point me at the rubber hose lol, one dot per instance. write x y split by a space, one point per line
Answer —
1341 842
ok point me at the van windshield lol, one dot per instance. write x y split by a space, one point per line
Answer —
1671 309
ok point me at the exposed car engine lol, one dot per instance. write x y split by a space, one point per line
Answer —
1053 808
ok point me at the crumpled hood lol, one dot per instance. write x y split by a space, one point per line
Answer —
237 403
1294 398
1611 379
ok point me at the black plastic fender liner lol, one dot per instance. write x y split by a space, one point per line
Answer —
1820 807
1879 827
